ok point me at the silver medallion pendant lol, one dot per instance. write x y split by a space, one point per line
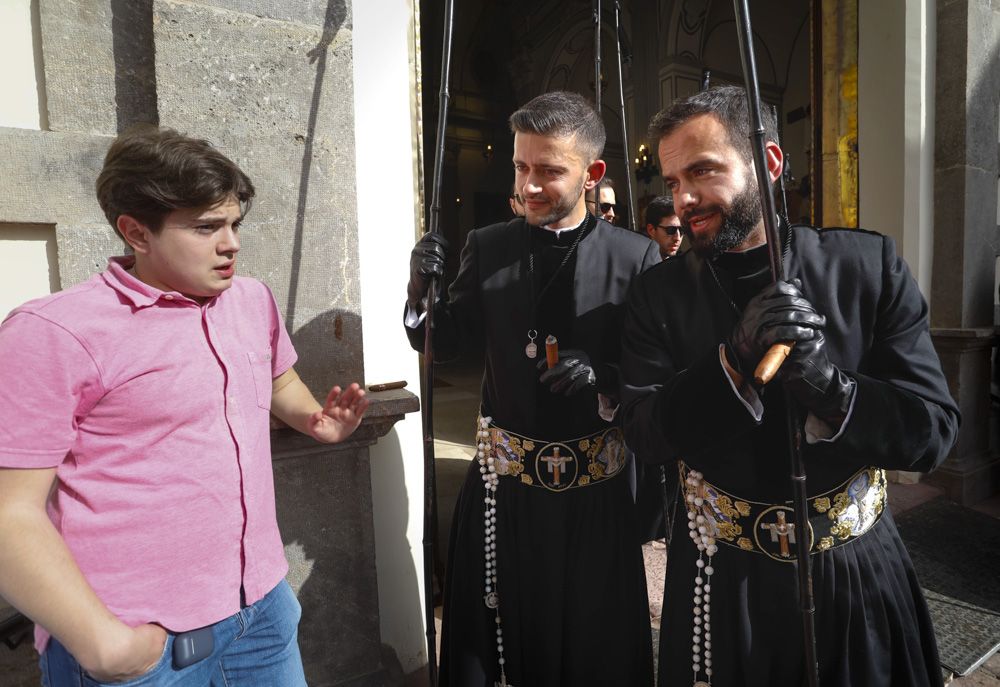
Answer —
531 350
492 600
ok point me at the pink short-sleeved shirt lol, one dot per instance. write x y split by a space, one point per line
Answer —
155 412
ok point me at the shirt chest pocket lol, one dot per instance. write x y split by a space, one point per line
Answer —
260 368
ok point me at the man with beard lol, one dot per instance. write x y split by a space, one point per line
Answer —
544 557
866 380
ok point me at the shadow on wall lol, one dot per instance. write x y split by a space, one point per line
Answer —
326 519
330 351
336 13
132 47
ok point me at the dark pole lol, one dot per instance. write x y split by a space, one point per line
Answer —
427 405
803 563
786 161
597 89
621 97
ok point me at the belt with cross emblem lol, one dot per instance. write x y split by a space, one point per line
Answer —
558 465
836 517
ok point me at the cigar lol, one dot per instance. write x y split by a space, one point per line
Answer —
772 360
551 351
387 386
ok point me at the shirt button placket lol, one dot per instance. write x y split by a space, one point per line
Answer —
235 424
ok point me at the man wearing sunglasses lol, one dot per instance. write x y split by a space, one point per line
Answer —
664 226
607 208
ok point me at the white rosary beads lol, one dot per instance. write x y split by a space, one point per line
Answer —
702 532
487 468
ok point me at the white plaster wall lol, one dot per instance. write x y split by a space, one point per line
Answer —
28 264
896 57
28 267
384 132
19 106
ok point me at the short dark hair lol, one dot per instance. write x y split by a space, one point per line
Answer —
150 171
658 208
563 114
728 104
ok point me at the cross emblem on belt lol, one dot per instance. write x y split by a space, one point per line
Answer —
556 462
782 532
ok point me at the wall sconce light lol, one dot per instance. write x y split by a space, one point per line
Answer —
488 152
645 167
458 202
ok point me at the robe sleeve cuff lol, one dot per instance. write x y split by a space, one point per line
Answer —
817 431
412 319
743 391
607 408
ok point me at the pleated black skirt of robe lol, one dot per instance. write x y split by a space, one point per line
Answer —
869 585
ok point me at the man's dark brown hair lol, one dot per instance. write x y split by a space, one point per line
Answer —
728 104
563 114
151 171
658 208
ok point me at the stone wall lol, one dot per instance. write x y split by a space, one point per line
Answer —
967 239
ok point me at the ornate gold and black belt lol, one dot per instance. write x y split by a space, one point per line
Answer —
836 517
556 465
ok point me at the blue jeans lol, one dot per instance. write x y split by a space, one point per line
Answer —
256 647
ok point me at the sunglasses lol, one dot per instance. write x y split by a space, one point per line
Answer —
670 229
606 207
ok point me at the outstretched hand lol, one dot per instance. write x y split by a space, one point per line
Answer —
340 415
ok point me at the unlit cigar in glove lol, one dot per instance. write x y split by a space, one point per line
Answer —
551 351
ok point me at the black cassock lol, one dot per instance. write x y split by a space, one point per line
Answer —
872 623
572 589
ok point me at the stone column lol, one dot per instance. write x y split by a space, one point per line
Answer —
965 197
970 473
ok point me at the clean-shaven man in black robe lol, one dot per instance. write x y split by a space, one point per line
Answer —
563 586
869 387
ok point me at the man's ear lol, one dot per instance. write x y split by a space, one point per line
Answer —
595 172
650 229
775 160
135 233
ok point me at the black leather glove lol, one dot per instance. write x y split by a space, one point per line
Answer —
426 261
816 383
778 313
572 374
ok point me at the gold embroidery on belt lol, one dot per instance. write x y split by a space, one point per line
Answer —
850 510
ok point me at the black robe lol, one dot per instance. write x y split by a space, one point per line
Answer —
872 623
571 580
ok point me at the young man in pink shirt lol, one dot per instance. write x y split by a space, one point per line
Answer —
136 491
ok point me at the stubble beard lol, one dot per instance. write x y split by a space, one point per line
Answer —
736 222
563 206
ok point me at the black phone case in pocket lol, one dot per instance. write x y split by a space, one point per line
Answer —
193 646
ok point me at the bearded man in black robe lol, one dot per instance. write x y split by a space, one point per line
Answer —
867 382
544 582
